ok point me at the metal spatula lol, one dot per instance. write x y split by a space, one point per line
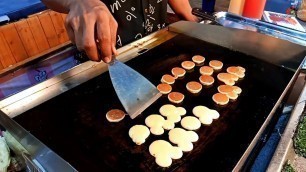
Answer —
135 92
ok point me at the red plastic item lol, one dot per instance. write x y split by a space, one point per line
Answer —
253 8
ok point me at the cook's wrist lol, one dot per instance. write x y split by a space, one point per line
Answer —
70 3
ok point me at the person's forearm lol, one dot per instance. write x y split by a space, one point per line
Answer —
61 6
183 9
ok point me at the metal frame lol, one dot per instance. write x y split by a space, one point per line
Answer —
285 144
27 99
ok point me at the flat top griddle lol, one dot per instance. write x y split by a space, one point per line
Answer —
73 124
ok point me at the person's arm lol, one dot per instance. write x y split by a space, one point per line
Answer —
89 25
183 9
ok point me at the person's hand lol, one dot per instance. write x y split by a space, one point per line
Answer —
92 28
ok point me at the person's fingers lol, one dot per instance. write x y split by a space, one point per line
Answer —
113 28
104 39
69 28
88 40
78 40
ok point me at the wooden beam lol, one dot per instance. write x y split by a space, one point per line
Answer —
59 26
38 33
26 37
6 57
48 28
12 38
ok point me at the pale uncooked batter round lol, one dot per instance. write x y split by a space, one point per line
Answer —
190 123
168 125
183 138
164 152
199 110
214 114
206 119
174 118
181 111
155 122
168 109
139 133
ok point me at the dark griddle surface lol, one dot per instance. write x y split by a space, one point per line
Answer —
74 125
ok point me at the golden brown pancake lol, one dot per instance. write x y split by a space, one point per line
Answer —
115 115
216 64
168 79
206 80
198 59
176 97
178 72
226 78
206 70
232 70
234 77
194 87
232 95
188 65
242 69
164 88
220 99
236 70
237 89
232 92
240 74
225 89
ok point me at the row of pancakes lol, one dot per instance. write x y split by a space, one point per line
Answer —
227 91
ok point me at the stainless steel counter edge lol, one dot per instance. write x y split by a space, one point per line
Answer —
33 96
285 143
246 154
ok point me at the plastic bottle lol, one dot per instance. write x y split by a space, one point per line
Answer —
254 8
236 6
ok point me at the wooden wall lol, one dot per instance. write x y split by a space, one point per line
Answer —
30 37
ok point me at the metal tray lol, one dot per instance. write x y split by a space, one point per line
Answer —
230 20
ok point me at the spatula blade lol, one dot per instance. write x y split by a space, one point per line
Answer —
135 92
